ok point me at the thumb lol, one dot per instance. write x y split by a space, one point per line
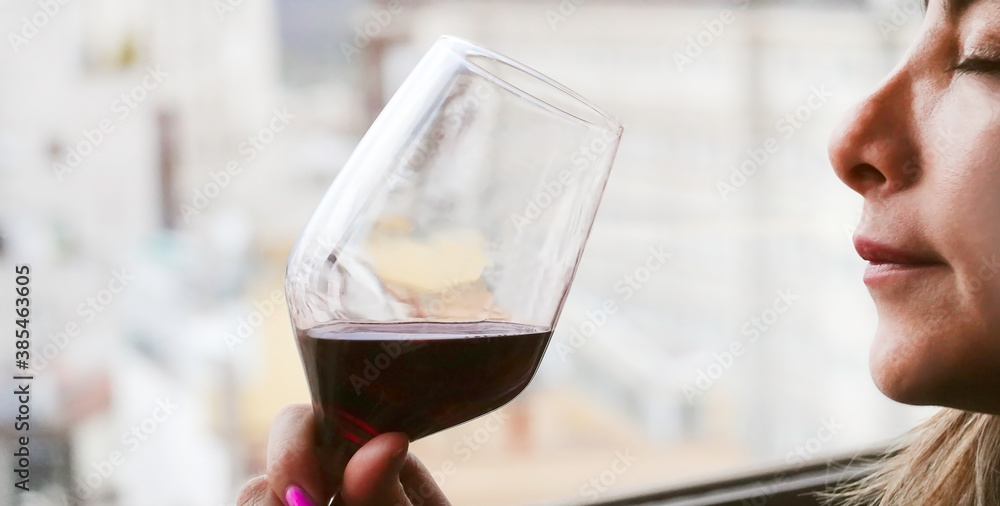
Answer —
372 476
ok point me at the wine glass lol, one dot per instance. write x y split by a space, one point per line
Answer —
425 288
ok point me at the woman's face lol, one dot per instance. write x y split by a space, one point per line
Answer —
924 152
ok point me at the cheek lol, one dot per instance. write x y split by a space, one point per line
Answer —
941 337
962 203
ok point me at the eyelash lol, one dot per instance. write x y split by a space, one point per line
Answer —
977 65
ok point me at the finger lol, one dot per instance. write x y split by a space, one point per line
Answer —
372 475
418 482
290 458
257 492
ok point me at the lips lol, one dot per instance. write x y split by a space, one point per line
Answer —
890 262
878 254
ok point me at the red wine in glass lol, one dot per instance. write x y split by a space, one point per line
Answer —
470 199
415 377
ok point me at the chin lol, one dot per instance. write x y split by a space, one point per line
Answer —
904 368
912 365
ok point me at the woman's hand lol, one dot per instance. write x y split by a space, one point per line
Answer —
381 473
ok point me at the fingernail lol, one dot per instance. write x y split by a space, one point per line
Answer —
399 455
396 461
296 496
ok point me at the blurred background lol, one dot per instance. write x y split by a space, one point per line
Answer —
161 343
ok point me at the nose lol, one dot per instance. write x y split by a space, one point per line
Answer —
873 150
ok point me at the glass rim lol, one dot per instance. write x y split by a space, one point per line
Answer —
464 48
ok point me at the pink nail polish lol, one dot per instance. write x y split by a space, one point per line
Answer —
295 496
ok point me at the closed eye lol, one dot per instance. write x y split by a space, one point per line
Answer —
977 65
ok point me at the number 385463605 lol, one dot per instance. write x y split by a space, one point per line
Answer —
22 309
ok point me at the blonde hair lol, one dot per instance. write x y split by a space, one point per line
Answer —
951 459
